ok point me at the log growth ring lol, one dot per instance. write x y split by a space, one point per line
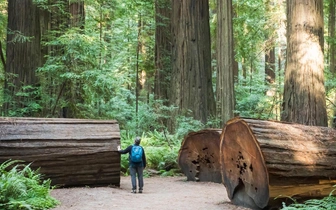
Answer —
244 171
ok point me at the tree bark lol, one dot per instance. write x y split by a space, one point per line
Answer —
332 51
199 155
332 45
191 57
270 65
261 160
225 62
23 51
304 92
162 49
73 90
77 11
70 152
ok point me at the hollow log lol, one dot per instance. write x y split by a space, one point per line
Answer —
199 155
261 160
71 152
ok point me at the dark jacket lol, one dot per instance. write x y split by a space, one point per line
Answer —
129 150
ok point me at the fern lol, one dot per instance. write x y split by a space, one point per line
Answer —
22 188
327 203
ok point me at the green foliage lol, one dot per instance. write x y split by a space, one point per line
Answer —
327 203
257 100
161 151
186 125
22 188
28 105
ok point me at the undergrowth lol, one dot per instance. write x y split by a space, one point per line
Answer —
161 153
22 188
326 203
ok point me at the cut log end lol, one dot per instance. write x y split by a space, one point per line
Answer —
243 167
199 154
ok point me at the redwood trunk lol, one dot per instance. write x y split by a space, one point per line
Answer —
191 81
69 152
162 49
264 159
23 51
304 98
225 98
199 155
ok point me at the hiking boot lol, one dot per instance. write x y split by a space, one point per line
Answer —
140 191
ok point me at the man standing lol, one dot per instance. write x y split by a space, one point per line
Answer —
137 163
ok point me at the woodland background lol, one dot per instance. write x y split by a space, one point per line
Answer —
163 68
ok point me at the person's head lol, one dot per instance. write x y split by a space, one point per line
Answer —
137 140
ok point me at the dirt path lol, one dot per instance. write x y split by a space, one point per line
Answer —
164 193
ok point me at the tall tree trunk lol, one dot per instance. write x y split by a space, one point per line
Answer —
64 93
162 49
191 87
304 92
332 46
225 61
23 55
270 50
55 87
270 65
332 49
73 91
77 12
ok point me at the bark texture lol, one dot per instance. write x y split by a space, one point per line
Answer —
225 97
304 91
332 28
191 58
23 51
69 152
264 159
199 155
162 49
270 66
77 11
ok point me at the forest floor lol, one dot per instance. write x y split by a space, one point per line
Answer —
164 193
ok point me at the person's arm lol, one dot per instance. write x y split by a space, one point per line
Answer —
144 158
127 150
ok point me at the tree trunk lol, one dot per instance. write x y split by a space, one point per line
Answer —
304 92
332 52
162 49
73 88
23 56
199 155
332 46
57 22
77 12
269 48
70 152
261 160
225 62
270 65
191 56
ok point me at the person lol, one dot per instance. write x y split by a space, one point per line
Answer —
136 168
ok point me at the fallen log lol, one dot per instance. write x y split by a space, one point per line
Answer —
261 160
199 156
71 152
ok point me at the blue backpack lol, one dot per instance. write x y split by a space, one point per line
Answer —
136 154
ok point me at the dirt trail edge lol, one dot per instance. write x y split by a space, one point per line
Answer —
164 193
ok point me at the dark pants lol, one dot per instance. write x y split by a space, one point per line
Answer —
134 170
